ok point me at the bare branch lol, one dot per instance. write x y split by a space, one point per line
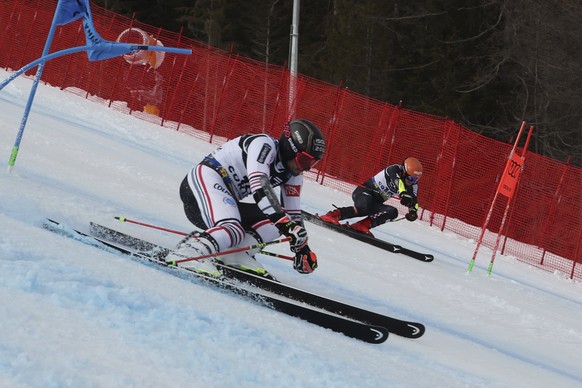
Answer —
493 27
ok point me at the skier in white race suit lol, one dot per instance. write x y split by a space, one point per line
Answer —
249 166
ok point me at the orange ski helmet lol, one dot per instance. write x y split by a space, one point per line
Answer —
412 169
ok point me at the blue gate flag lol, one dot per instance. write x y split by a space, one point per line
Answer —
70 10
98 48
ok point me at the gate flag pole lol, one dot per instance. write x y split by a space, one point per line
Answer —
506 187
96 47
62 9
511 176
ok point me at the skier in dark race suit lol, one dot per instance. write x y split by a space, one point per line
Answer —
249 166
395 180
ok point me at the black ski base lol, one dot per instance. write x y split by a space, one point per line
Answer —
396 326
351 328
346 230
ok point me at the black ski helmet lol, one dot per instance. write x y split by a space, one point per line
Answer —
301 140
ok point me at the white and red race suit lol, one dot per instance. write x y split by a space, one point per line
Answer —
215 192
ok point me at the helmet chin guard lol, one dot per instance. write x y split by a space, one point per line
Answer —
303 141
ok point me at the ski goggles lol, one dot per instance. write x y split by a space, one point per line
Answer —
411 179
305 161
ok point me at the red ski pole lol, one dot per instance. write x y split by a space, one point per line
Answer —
278 255
235 250
123 219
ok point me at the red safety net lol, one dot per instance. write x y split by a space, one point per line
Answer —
216 95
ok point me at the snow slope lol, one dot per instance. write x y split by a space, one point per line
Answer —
75 316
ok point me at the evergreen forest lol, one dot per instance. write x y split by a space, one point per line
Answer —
487 64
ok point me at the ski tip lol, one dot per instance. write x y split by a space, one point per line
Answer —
380 334
122 219
417 331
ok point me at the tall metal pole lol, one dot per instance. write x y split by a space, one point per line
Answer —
293 49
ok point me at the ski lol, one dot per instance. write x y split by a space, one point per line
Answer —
396 326
351 328
138 244
314 218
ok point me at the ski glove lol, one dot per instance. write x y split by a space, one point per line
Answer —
412 215
407 199
296 232
305 260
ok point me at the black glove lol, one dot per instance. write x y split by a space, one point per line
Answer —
407 199
411 215
296 232
305 260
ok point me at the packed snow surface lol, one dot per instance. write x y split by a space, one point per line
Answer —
76 316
